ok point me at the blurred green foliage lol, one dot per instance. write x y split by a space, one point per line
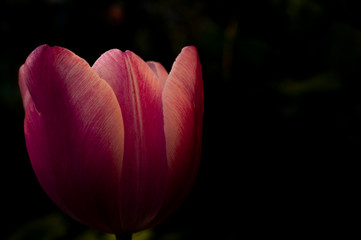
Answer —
56 226
49 227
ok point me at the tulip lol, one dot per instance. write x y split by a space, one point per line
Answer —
117 145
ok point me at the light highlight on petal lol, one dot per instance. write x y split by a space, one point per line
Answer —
74 135
183 115
139 94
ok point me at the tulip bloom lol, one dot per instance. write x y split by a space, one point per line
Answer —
116 145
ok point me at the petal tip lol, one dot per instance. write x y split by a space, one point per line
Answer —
191 48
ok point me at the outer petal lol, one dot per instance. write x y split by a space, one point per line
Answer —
25 95
183 116
159 71
139 94
74 135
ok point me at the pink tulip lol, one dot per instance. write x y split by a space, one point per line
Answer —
117 145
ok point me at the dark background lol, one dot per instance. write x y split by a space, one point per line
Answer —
282 82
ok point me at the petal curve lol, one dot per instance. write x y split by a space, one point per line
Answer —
74 135
183 116
25 95
139 93
159 71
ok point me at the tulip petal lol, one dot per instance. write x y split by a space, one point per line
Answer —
139 94
25 95
74 135
183 116
159 71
